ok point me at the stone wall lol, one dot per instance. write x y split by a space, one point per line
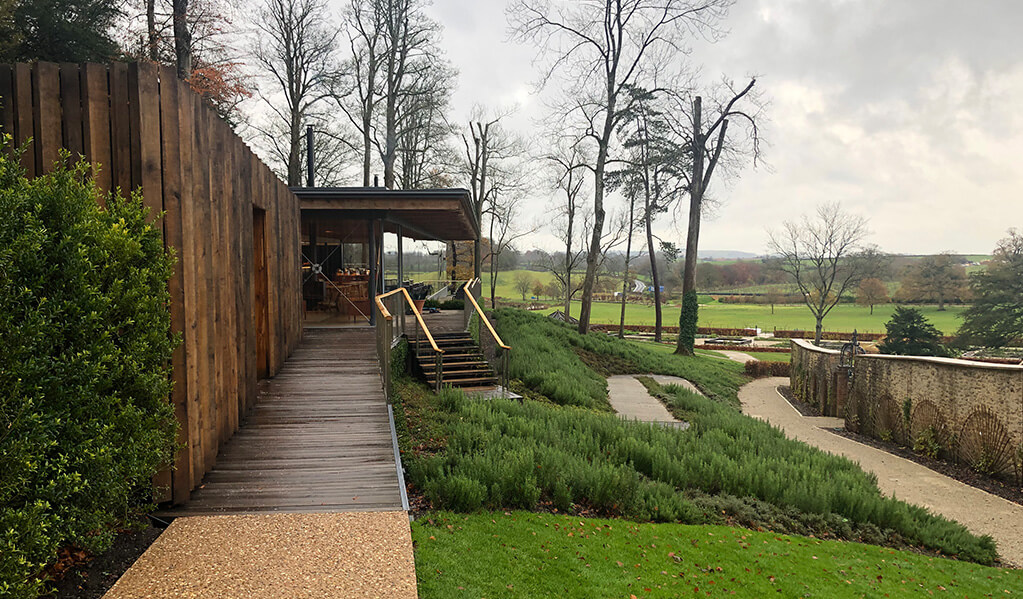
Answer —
958 409
813 377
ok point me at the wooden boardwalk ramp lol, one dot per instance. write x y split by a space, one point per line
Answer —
317 440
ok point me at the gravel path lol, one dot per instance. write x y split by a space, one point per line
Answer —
286 556
978 510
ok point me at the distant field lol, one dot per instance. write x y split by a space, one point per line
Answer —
845 317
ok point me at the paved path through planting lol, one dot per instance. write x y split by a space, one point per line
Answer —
632 401
276 556
981 512
735 356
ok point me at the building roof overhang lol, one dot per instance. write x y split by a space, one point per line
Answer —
422 214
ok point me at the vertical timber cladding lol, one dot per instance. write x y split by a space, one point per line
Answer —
143 129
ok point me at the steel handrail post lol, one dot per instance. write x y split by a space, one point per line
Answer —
439 370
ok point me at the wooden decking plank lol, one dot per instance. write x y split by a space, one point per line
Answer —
317 438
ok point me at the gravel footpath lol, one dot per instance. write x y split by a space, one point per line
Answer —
349 555
979 511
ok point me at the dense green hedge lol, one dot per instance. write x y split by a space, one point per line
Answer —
84 363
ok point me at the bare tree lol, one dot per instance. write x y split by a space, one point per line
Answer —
364 22
182 39
601 46
505 225
628 260
707 144
491 154
296 49
567 162
524 283
872 291
826 257
424 132
407 44
197 37
939 278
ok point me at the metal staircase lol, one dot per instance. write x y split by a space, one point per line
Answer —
462 363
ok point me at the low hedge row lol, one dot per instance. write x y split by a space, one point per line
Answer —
761 368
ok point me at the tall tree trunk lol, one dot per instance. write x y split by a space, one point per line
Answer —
151 30
818 331
568 262
625 276
493 264
593 256
367 149
477 246
690 306
295 151
653 273
391 141
182 39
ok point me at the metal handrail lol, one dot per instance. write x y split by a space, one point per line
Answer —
503 350
419 317
384 347
483 318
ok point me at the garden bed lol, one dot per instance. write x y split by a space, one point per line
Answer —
82 576
959 472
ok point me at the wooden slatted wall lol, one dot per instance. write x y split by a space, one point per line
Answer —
142 128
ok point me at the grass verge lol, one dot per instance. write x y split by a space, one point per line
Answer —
522 554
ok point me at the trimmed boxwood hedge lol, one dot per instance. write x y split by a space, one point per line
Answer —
84 366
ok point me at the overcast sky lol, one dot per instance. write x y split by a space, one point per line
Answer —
906 111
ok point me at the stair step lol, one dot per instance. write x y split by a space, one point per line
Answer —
471 382
449 357
480 365
430 354
460 374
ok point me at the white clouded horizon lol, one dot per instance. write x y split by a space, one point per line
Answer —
907 112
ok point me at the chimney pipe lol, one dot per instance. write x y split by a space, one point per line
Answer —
309 158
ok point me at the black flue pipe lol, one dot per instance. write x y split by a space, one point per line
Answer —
309 158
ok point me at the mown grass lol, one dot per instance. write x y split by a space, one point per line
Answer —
523 554
504 454
548 358
844 317
769 356
759 355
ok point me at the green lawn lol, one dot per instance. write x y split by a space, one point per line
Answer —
506 283
766 356
523 554
845 317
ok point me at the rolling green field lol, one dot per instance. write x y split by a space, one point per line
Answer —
845 317
522 554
